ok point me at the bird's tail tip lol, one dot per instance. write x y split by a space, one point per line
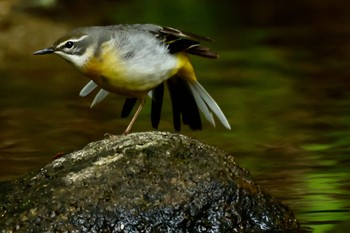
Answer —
207 104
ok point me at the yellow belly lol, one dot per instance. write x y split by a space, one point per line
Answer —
113 74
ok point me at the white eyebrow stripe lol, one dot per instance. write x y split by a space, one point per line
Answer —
73 40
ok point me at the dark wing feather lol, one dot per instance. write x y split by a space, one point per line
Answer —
180 41
203 52
176 45
177 33
128 106
183 104
156 107
176 104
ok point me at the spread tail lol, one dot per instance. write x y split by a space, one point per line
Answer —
184 104
207 104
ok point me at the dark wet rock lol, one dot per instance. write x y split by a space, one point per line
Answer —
142 182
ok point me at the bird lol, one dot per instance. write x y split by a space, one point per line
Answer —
138 60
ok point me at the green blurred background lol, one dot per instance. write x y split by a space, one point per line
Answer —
282 80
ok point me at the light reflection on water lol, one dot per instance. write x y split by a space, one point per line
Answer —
290 128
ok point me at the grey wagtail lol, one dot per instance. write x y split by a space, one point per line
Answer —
136 60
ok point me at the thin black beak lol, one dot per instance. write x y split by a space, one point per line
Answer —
44 51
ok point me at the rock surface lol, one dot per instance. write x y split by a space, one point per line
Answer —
142 182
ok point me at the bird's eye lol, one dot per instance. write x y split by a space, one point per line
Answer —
69 44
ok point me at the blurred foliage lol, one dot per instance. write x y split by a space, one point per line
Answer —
233 12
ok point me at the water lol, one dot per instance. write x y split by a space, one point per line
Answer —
284 88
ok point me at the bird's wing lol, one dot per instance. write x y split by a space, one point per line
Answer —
88 88
99 97
176 40
128 106
182 41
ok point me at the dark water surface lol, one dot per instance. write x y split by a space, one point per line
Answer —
285 90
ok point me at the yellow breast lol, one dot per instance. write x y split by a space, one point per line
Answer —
120 76
108 71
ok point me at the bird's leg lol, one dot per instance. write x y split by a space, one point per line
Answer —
142 103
